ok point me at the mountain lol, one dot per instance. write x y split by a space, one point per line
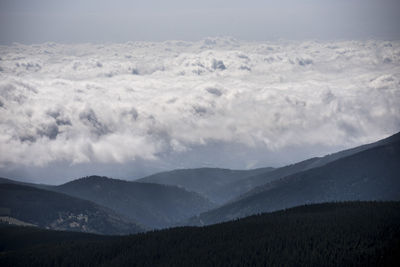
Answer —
244 185
372 174
25 205
152 205
40 186
224 185
330 234
9 181
213 183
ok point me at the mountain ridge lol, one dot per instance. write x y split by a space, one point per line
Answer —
53 210
153 205
371 174
213 183
246 185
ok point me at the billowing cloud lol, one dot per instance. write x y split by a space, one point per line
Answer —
120 103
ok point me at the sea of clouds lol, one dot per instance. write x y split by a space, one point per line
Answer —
118 103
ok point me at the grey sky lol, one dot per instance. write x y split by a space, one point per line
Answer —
37 21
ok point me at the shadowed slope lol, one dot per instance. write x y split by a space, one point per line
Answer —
152 205
213 183
373 174
57 211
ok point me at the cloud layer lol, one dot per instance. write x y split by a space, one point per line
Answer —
118 103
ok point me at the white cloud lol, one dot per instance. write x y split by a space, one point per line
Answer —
122 102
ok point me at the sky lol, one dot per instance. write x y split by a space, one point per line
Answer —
37 21
126 88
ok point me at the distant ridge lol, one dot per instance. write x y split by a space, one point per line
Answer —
52 210
213 183
245 185
152 205
179 197
369 173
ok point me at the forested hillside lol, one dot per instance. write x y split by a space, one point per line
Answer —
331 234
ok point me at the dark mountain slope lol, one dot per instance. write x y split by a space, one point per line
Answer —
213 183
348 152
152 205
243 186
246 185
373 174
340 234
9 181
17 237
57 211
40 186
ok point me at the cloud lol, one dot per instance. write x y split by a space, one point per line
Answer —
214 91
119 103
89 118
